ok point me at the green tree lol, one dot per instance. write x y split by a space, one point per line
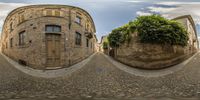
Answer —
119 36
156 29
151 29
105 45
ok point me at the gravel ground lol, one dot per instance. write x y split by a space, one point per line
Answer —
99 79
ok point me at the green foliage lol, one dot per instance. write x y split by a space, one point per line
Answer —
105 45
151 29
114 38
119 36
156 29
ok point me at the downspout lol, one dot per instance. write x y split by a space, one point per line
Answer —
69 47
69 38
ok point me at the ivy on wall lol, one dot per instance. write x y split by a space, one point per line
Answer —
118 36
151 29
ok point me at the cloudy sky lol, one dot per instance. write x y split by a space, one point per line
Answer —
109 14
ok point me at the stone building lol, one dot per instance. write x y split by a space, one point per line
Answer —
48 36
189 24
0 44
101 47
155 56
96 45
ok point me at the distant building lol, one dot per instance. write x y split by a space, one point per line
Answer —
48 36
188 22
101 47
96 48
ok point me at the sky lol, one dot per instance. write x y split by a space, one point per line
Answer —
110 14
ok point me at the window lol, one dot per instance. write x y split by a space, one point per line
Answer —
78 38
52 28
11 42
78 20
87 27
11 26
22 38
87 42
6 45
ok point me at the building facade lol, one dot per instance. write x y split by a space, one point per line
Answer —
106 49
48 36
188 23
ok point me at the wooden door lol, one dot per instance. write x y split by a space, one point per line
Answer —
53 50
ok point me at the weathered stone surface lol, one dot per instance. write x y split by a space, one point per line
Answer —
101 80
32 20
155 56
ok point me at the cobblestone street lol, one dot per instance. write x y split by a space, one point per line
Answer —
100 79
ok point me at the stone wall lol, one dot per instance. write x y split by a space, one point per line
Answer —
32 20
151 56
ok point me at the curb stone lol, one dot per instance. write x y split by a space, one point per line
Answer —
149 73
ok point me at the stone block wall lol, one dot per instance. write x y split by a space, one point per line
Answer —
151 56
32 20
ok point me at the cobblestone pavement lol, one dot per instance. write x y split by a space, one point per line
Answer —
99 79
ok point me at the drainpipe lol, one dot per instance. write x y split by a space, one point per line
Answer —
69 46
70 25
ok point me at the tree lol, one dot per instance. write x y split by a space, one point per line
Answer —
156 29
105 45
119 36
151 29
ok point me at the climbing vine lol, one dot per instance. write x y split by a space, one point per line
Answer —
150 29
156 29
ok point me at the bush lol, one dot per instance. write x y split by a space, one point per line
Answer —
151 29
119 36
156 29
105 45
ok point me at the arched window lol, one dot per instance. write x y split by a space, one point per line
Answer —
52 28
78 20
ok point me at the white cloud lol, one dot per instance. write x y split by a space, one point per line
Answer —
134 1
5 8
141 13
160 9
179 9
186 10
178 3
